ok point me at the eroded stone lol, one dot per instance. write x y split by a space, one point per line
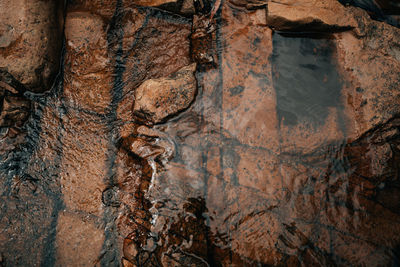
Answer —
309 15
369 65
158 99
31 41
14 109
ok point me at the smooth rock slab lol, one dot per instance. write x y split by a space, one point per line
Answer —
158 99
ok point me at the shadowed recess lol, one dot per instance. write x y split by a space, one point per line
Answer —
305 77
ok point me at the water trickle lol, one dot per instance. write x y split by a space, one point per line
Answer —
284 156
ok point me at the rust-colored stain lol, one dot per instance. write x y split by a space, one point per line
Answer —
196 133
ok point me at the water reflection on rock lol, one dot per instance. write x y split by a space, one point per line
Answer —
287 154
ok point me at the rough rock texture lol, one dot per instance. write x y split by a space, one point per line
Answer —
31 41
309 15
84 172
369 65
158 99
14 109
288 155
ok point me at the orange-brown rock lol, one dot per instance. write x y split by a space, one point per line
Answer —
288 156
31 41
102 8
369 65
86 41
79 240
309 15
158 99
166 35
87 192
14 109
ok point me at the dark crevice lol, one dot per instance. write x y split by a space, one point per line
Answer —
382 10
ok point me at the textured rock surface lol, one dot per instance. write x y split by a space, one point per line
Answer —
31 41
14 109
288 155
158 99
369 66
309 15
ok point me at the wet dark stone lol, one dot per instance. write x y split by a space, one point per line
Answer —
203 41
305 77
14 109
110 197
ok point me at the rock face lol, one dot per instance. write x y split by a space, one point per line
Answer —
31 41
15 110
368 65
158 99
279 146
309 15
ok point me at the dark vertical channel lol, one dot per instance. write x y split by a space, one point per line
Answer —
110 254
49 249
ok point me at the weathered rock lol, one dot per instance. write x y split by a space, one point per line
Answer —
165 35
143 148
102 8
309 15
158 99
84 168
14 108
369 65
203 40
87 62
153 2
79 240
31 41
278 161
382 10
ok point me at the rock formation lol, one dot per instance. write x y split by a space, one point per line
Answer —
158 99
31 41
232 133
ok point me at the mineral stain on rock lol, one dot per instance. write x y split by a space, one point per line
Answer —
197 133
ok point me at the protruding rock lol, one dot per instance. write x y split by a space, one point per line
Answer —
158 99
142 148
31 41
14 109
309 15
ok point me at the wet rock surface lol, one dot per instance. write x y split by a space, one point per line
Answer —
31 41
256 134
158 99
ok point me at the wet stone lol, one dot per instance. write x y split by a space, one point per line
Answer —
309 15
158 99
203 40
14 110
31 41
110 197
288 156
